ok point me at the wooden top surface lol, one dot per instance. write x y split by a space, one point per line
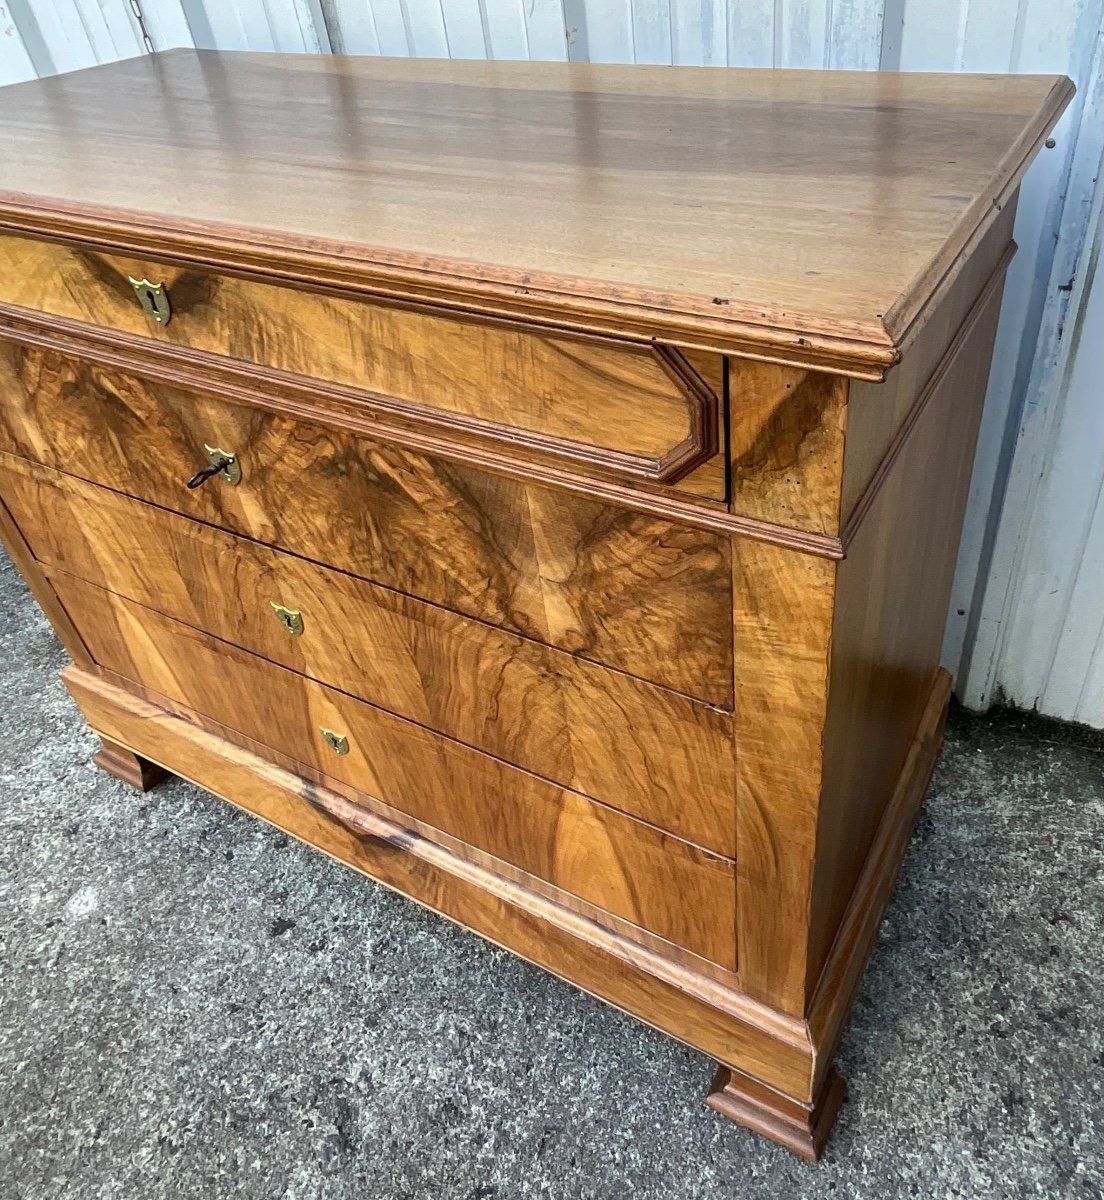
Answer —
807 215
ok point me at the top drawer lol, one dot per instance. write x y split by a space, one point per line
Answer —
641 411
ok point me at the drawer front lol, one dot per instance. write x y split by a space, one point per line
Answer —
650 752
639 410
626 589
660 883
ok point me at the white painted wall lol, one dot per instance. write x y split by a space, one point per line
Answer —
1026 621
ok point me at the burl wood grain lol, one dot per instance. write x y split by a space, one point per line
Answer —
811 214
399 289
620 405
650 752
786 445
836 661
667 994
13 541
624 866
622 588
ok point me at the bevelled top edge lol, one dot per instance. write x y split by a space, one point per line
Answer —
863 346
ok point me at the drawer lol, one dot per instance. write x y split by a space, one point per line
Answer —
626 589
660 883
653 753
640 410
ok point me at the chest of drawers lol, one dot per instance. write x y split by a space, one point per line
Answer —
536 486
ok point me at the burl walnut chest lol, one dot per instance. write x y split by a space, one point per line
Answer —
537 486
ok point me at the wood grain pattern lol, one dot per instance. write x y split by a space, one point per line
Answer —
658 882
13 541
721 1021
554 191
636 409
877 413
366 803
801 1128
892 595
783 605
652 753
618 587
786 443
688 502
124 764
831 1001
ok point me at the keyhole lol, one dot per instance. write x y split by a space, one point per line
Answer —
153 298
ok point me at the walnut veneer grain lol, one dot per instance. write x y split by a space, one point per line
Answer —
642 410
652 753
522 557
628 868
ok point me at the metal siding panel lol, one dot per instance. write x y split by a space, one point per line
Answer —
609 31
425 23
1050 36
290 26
546 29
855 34
112 28
1090 710
15 60
63 34
236 25
988 35
1070 682
699 32
802 34
651 26
1007 380
1055 623
351 26
575 28
931 35
312 26
997 561
167 24
893 31
751 33
507 36
464 28
391 25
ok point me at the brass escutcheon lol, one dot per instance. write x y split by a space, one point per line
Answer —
337 742
154 299
290 618
231 471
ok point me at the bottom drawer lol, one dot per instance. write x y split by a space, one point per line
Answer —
658 882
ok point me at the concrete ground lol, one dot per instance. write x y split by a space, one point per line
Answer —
193 1005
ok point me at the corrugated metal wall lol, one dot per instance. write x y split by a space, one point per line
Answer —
1028 614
